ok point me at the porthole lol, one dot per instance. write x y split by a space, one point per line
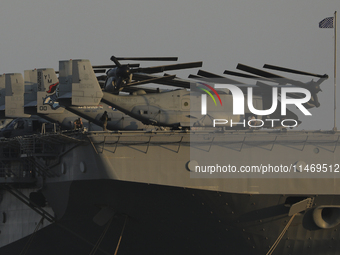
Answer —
191 165
82 167
63 168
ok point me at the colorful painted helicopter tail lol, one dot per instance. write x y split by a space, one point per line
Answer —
47 87
78 82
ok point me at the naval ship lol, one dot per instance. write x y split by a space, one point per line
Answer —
101 191
170 192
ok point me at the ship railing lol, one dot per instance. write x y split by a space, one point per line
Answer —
44 130
32 145
102 141
17 172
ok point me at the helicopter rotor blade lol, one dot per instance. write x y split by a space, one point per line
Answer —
158 79
99 70
217 78
113 66
147 90
204 79
176 82
259 72
159 69
101 78
150 58
277 78
313 87
246 76
288 70
196 77
208 74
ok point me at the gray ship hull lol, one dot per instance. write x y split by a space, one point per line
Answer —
139 186
171 220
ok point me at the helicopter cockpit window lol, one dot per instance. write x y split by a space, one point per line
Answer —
11 125
20 125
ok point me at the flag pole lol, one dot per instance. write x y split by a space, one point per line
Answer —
334 129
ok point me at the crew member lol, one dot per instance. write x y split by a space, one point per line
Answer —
78 123
104 119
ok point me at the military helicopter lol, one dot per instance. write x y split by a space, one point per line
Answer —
15 121
41 99
84 90
15 94
262 88
122 77
26 126
43 90
182 109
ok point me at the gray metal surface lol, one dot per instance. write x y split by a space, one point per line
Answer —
162 158
145 174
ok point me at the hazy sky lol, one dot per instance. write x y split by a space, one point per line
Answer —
37 33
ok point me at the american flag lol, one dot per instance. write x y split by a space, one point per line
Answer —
326 23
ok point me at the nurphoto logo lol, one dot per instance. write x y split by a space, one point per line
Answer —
238 102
